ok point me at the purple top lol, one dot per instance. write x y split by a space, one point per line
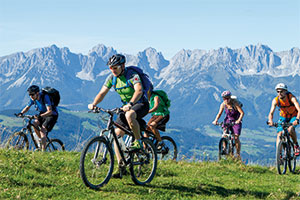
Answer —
231 114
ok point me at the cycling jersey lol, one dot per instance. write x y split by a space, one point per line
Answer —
287 108
41 104
162 108
125 87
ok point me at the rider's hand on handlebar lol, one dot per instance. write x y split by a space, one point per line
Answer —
215 122
91 106
20 114
126 107
270 123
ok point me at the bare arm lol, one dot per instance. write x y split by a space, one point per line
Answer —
25 109
241 113
295 102
138 93
219 113
104 90
272 110
48 112
156 104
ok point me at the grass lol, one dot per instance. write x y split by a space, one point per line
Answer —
38 175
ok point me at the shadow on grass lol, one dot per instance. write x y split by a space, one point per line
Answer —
209 190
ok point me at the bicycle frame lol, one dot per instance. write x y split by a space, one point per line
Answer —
112 135
28 126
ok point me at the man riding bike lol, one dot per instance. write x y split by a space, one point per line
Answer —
135 102
48 114
234 114
289 112
160 114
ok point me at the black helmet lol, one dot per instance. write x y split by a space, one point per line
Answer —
33 89
116 59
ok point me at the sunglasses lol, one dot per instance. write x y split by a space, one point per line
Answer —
115 67
31 94
280 91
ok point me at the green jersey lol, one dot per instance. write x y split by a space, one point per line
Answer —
162 108
125 93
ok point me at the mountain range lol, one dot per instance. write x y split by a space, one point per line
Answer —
193 79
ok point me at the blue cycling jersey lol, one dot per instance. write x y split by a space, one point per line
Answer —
42 105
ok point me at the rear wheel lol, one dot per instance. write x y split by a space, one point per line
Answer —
18 141
143 163
166 149
55 145
96 163
281 157
292 161
223 148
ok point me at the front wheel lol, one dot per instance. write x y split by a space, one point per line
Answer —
292 159
96 163
55 145
143 163
18 141
223 148
281 157
166 149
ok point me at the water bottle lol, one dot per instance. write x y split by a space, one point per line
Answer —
122 143
37 139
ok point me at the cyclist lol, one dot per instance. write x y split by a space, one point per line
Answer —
160 114
48 114
289 112
233 113
135 102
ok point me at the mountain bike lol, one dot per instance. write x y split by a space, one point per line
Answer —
167 148
285 152
227 143
19 140
97 158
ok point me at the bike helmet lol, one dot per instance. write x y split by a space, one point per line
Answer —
226 93
281 86
33 89
116 59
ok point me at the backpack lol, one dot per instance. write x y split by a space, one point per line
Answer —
146 82
163 95
237 100
53 94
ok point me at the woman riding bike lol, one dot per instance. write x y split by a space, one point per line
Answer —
234 113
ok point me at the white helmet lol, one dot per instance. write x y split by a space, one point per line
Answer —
281 86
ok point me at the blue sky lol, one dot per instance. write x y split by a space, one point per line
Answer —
130 26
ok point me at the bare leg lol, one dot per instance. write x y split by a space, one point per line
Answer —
133 123
238 146
152 127
118 133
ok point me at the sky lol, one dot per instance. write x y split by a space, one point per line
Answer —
131 26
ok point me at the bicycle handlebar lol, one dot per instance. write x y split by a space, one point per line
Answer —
225 124
25 116
109 111
284 124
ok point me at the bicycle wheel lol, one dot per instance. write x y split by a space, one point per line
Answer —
223 148
166 149
281 157
96 163
292 158
143 163
18 141
55 145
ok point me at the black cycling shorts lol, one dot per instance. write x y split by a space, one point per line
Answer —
141 110
48 122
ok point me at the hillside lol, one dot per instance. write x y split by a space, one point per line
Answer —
74 128
37 175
